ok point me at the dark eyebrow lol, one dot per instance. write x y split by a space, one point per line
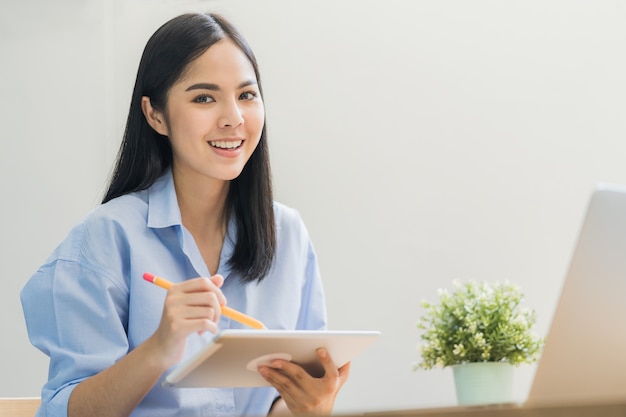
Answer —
215 87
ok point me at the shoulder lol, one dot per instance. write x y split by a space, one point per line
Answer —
104 231
291 232
124 210
122 215
288 219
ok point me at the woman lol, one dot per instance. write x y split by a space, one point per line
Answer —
190 197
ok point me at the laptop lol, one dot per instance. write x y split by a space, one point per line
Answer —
584 356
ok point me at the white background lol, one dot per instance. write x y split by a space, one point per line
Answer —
422 141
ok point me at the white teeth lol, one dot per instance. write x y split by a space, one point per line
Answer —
226 144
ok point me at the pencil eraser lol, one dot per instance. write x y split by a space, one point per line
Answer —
148 276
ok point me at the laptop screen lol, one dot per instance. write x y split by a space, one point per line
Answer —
584 357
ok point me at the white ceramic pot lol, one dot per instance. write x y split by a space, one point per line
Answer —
483 383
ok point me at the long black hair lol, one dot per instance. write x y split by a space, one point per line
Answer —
145 155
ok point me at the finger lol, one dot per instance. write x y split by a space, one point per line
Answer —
198 284
205 325
181 307
193 305
280 379
295 372
200 312
176 312
177 327
200 299
290 400
198 325
218 280
202 284
330 369
344 373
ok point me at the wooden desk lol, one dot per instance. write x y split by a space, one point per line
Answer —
18 407
582 410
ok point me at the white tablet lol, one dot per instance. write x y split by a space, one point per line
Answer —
232 357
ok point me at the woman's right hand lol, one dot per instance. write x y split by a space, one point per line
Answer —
191 306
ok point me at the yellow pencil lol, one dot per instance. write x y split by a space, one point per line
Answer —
227 311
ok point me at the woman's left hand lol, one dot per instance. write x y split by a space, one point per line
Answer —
302 393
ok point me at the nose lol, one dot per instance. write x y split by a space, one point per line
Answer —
232 114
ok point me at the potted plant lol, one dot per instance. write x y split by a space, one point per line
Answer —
482 332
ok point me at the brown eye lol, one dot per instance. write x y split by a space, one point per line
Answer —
248 95
204 98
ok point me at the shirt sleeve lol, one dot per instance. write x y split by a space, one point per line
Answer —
313 314
78 317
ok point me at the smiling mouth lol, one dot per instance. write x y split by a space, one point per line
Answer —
222 144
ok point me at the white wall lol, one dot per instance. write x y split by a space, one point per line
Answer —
52 168
422 141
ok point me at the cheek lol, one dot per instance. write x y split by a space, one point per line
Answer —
189 124
255 121
255 128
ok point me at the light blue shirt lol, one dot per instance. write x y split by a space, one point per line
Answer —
88 305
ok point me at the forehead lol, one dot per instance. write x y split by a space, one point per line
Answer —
223 59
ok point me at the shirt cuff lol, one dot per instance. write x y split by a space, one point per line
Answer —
56 405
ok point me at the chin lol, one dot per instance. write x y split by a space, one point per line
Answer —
229 176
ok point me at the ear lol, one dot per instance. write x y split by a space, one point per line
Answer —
153 116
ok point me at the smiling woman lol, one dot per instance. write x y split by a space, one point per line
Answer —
191 199
421 142
211 104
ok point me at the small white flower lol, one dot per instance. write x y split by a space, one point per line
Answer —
472 326
459 350
479 338
520 320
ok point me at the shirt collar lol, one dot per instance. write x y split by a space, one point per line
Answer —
163 210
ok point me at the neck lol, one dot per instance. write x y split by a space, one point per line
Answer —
202 205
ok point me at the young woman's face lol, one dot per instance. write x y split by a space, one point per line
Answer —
214 114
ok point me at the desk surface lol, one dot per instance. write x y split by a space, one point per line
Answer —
17 407
582 410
